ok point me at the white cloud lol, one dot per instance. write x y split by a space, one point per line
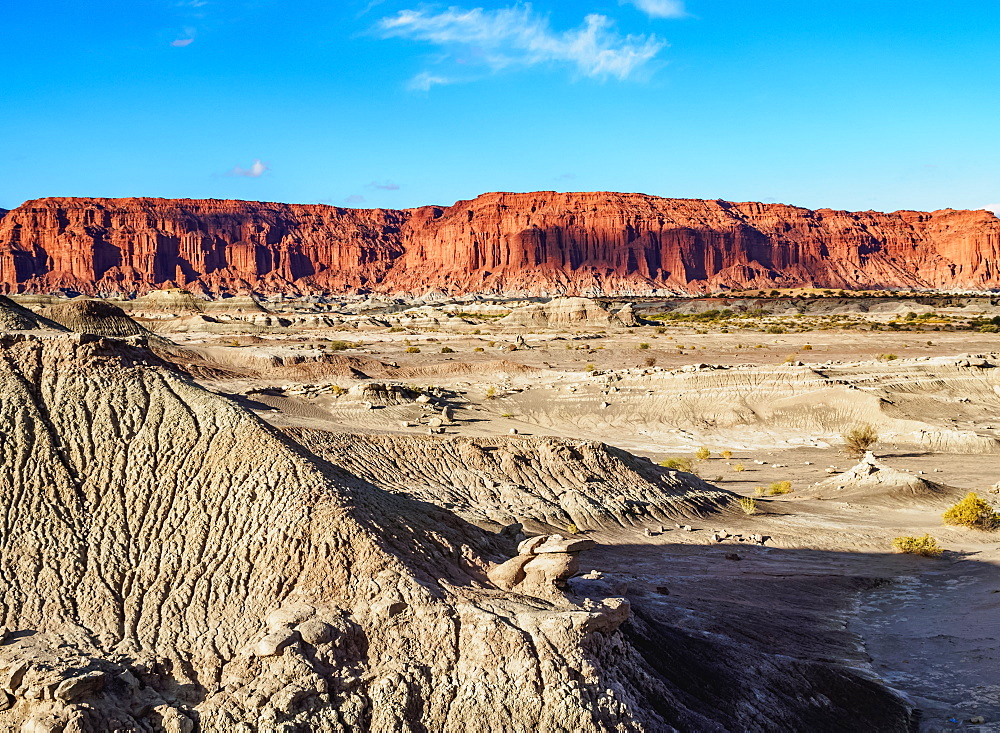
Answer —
659 8
423 81
518 37
387 186
254 171
995 208
181 42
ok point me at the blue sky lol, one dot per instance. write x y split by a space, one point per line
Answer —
881 104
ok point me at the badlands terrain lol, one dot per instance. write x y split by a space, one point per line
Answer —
452 514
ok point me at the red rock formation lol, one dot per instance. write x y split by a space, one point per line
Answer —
534 242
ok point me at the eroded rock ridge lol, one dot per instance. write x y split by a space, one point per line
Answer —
542 242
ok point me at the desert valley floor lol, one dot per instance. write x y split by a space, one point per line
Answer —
462 419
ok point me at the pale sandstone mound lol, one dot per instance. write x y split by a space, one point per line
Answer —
84 315
540 482
14 317
168 558
560 312
168 300
875 481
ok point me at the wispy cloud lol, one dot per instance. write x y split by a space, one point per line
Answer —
423 81
518 37
254 171
181 42
387 186
355 198
659 8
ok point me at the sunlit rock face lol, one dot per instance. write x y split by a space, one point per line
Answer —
544 242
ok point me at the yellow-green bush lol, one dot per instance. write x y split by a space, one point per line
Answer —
972 512
779 487
926 546
748 505
678 464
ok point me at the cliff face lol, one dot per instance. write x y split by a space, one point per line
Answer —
533 242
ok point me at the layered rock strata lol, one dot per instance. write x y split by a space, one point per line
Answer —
549 242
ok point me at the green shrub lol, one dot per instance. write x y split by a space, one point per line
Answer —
479 349
339 345
412 349
925 546
972 512
643 345
396 329
447 350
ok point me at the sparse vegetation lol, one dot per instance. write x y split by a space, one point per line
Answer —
748 505
644 345
572 528
678 464
491 392
397 329
779 488
412 349
726 454
590 367
650 361
703 454
479 349
926 546
739 468
447 350
860 439
887 357
972 512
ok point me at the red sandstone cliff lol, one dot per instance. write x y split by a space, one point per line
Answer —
532 242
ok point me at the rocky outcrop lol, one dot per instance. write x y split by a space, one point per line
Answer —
543 483
15 317
167 558
560 312
84 315
568 243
